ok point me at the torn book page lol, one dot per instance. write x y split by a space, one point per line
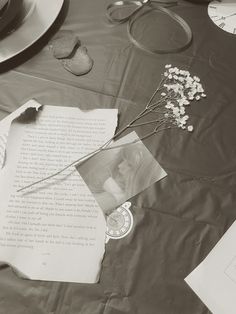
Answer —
214 280
55 231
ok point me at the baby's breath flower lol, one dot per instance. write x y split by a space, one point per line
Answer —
180 101
181 79
186 117
182 110
200 89
176 111
180 89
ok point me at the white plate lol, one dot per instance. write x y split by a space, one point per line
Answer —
37 17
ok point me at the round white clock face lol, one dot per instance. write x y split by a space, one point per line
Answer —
223 14
119 222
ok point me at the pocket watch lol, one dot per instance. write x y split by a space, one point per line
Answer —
119 222
223 14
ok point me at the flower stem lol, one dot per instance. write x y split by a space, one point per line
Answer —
155 92
145 123
144 112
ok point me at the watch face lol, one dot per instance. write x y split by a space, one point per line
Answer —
223 14
119 222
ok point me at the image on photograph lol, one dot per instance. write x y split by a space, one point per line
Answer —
114 176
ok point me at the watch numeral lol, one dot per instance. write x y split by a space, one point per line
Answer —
212 7
234 31
222 25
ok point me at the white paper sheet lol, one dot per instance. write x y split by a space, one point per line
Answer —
55 231
214 280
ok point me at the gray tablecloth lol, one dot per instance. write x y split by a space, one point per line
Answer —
176 221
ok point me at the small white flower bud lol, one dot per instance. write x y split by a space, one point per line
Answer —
190 128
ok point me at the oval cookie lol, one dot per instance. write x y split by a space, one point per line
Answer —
81 63
64 43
